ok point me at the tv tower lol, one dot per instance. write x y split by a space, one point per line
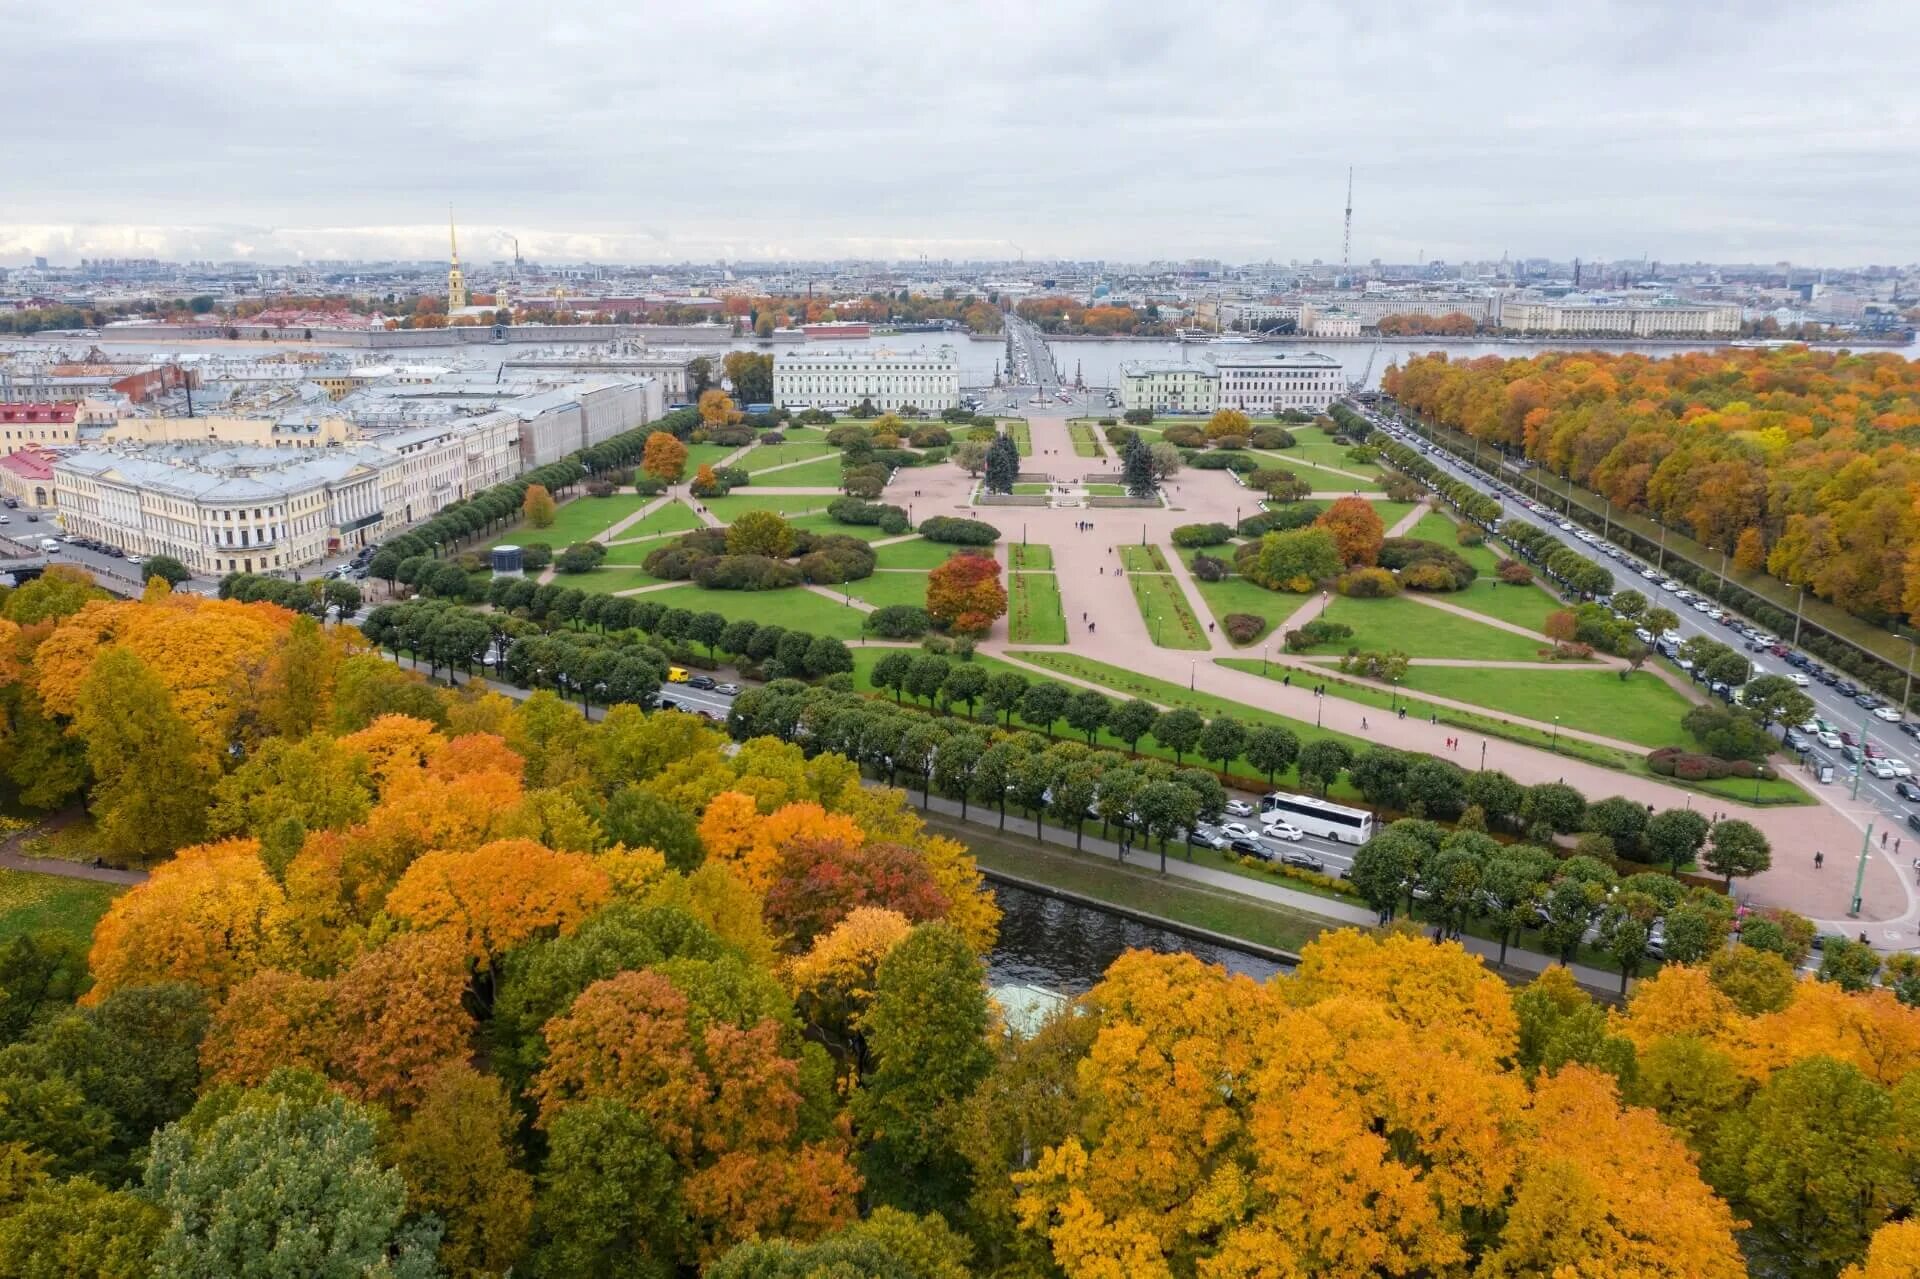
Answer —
1346 237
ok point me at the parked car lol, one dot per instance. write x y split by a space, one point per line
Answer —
706 683
1209 837
1250 848
729 690
1304 860
1800 679
1913 821
1907 791
1891 714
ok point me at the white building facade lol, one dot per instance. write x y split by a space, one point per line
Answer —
1624 319
1274 383
845 379
1168 387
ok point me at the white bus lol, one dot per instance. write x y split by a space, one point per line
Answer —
1318 817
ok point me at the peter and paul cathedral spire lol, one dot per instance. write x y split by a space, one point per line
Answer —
456 282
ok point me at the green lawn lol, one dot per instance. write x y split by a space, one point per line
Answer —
34 903
1170 621
822 474
1236 594
1406 625
764 456
608 581
1032 490
825 525
1392 513
883 589
1085 442
795 608
1321 478
1135 558
732 507
1526 606
1022 437
1641 708
631 553
699 455
1106 490
1030 556
579 520
916 552
674 517
1438 526
1033 610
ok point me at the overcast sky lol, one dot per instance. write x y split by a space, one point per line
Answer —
659 132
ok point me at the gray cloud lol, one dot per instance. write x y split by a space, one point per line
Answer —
1682 129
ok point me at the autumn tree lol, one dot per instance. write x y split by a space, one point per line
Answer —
537 506
965 595
1229 424
716 408
500 895
153 781
1356 529
210 916
761 533
458 1153
927 1032
665 458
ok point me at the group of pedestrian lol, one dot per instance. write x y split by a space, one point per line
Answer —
1085 526
1453 743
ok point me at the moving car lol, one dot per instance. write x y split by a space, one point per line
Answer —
1304 860
1283 830
1238 830
728 690
1239 808
1250 848
1891 714
706 683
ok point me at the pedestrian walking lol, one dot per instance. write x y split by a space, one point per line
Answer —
1896 847
1819 859
1883 839
1363 723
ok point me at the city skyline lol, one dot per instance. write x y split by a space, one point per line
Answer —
1088 131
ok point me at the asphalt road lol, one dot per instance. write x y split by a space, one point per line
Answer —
1828 705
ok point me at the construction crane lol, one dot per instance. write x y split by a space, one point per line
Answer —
1360 384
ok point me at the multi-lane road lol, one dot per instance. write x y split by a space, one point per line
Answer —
1828 704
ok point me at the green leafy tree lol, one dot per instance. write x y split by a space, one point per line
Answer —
1087 712
893 672
1851 965
1136 467
966 684
1223 740
79 1228
154 782
1322 761
1132 720
279 1181
1674 836
1809 1164
1383 867
1043 703
926 1033
1005 692
1179 730
457 1153
1735 847
1513 881
609 1197
166 568
1272 750
1560 1025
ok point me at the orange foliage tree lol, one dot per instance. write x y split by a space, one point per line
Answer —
211 916
1356 528
665 458
500 895
537 506
964 594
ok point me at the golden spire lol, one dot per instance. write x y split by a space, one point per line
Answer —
456 282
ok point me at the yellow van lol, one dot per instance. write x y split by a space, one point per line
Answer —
676 674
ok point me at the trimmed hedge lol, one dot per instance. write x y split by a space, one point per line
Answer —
1215 534
1244 628
958 532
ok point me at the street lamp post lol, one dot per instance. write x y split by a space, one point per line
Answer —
1483 754
1860 873
1556 734
1193 674
1156 630
1263 658
1798 601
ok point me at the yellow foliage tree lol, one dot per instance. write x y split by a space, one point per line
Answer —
499 895
211 916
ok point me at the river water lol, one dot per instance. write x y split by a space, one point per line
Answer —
1066 947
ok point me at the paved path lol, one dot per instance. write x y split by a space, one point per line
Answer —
11 858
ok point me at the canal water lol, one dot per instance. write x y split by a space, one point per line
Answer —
1065 947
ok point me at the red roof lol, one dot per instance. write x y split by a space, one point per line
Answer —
36 412
29 464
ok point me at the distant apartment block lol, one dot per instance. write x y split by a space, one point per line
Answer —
845 379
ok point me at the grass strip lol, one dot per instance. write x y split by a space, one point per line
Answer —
1034 612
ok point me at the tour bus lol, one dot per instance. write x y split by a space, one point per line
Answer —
1318 817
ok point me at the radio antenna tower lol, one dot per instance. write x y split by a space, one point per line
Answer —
1346 237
